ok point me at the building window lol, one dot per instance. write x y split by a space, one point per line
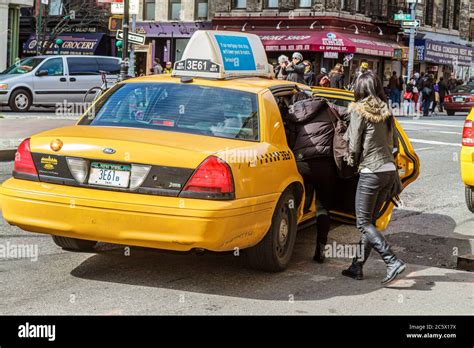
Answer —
305 3
149 10
446 14
272 3
345 5
240 4
429 5
202 7
174 10
456 13
360 6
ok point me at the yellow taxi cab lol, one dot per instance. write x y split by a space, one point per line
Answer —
194 161
467 159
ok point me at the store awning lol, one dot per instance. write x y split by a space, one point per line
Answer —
326 42
73 43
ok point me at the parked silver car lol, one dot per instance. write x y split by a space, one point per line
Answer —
48 80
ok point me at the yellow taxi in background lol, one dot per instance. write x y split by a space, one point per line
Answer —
467 159
194 161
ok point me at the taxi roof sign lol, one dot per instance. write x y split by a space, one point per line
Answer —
221 54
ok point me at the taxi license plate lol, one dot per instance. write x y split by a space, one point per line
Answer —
106 174
459 99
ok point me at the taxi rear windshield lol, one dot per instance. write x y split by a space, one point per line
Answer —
217 112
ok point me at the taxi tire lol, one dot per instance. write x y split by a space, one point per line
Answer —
469 191
263 256
74 244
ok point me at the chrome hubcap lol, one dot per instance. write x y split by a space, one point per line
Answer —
283 233
21 101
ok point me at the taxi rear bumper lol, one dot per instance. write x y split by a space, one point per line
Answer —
171 223
467 165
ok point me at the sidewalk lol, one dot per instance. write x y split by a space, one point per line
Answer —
14 127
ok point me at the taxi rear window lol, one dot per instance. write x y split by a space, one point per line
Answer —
211 111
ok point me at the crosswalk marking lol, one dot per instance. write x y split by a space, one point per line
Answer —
432 124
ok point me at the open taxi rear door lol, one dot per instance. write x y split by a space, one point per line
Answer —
407 160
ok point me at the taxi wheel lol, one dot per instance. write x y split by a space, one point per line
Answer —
74 244
470 198
273 253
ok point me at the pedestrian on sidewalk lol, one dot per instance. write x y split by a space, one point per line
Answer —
308 73
394 86
372 141
280 69
157 68
168 68
427 94
295 69
322 79
443 92
336 76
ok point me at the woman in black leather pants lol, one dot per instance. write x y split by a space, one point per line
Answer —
372 140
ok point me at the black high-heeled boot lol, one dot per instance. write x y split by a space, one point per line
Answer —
323 225
395 266
355 269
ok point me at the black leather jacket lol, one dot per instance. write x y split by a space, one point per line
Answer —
371 134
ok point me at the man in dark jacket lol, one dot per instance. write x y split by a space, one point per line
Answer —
312 139
443 92
295 69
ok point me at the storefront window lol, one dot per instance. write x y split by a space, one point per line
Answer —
175 10
55 7
149 10
240 4
201 9
305 3
272 3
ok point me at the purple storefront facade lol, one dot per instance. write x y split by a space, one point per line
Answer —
169 39
443 58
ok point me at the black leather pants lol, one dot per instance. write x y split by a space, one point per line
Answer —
372 191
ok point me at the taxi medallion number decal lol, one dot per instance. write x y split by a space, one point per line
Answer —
106 174
205 65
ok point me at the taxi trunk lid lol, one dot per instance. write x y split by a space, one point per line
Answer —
159 162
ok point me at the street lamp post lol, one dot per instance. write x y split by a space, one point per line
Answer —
411 51
126 18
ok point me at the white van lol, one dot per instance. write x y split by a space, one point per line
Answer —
48 80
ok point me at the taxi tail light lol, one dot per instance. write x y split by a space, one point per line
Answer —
468 133
24 167
78 168
211 180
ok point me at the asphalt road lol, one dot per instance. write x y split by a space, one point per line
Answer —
428 231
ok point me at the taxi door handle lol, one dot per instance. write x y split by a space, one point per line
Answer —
72 79
62 79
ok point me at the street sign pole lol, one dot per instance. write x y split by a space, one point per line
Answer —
126 18
411 52
131 65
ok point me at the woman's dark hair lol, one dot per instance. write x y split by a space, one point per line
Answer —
368 84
